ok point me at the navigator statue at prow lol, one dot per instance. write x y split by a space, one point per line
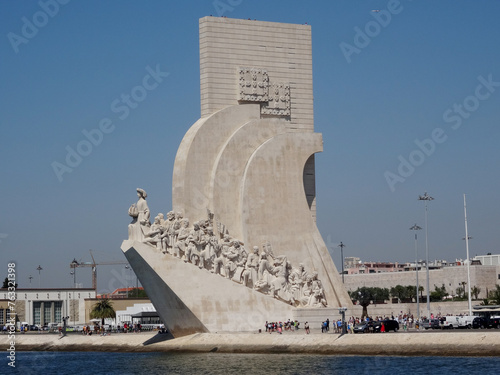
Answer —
240 245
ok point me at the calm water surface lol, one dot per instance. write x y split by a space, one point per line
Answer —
75 363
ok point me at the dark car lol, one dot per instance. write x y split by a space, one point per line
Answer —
389 325
362 327
479 322
494 322
433 323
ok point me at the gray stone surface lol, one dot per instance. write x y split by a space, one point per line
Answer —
467 343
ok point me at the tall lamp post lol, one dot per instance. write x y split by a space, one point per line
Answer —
468 259
128 267
426 198
342 256
39 268
416 227
31 277
73 265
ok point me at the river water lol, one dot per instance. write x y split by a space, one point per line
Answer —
75 363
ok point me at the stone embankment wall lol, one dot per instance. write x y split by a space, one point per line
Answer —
453 343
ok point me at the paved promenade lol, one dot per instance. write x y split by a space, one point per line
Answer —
432 343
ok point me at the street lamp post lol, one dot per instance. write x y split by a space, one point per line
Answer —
39 268
427 198
468 259
31 277
128 267
342 256
73 265
416 227
73 273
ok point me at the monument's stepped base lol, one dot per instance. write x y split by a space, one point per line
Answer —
316 316
464 343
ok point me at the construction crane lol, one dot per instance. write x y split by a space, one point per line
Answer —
94 265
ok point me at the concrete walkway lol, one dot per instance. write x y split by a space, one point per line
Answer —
459 343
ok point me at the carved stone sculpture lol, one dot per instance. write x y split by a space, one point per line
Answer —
246 171
140 217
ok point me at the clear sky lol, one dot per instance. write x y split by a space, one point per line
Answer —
407 100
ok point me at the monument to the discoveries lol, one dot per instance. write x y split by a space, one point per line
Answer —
241 246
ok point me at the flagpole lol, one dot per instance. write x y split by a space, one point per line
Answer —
468 259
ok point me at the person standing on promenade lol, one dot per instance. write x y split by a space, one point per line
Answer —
306 326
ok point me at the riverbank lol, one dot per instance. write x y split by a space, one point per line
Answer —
457 343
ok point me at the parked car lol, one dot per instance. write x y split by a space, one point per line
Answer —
431 324
480 322
389 325
450 322
494 322
362 327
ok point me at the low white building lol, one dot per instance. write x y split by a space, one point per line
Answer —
125 316
43 306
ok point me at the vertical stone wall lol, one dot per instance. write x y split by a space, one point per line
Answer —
283 50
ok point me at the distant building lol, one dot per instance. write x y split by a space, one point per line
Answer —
452 275
43 306
488 260
144 313
351 262
118 293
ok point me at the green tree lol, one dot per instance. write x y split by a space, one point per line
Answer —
400 292
495 295
439 293
102 310
475 290
421 291
365 295
6 284
411 291
137 293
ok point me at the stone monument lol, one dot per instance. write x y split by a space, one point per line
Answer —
240 246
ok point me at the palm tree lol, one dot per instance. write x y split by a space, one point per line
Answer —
475 290
495 295
102 310
421 290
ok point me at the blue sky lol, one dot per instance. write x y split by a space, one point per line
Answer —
410 78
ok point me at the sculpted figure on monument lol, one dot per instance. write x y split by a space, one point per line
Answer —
307 292
168 235
279 284
207 255
182 235
317 298
220 251
192 254
249 275
154 235
232 255
297 280
264 265
140 217
264 272
192 243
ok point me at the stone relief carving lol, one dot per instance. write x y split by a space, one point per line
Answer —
279 100
254 86
226 256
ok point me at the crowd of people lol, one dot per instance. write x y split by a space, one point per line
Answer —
406 322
